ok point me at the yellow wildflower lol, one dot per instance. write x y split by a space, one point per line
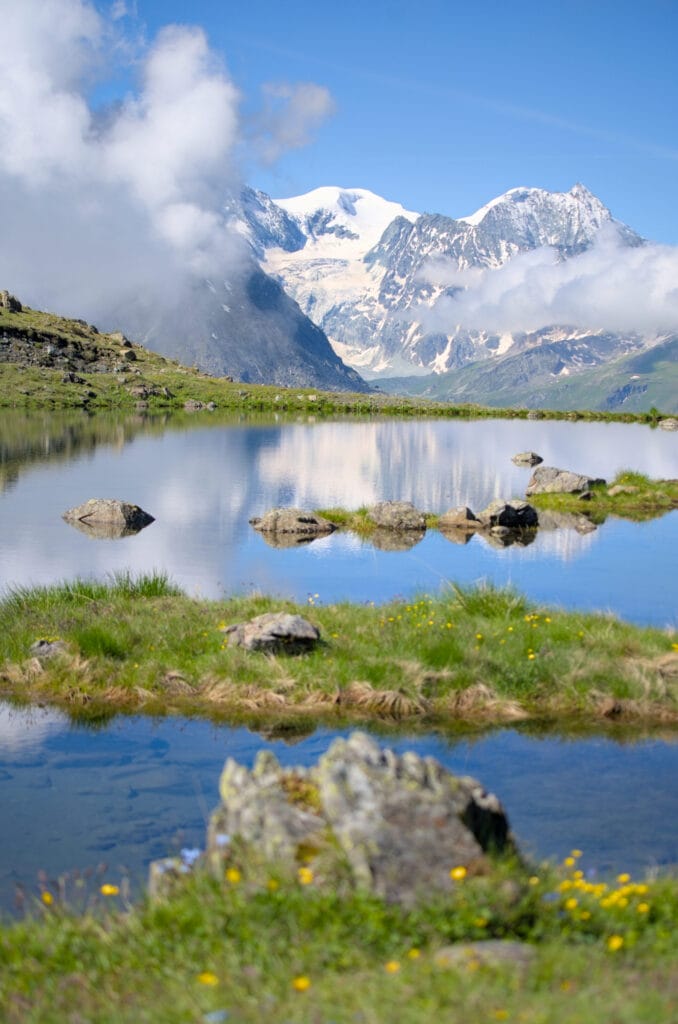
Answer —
208 978
47 899
273 885
109 890
233 875
643 908
571 903
305 876
615 942
301 984
392 967
458 874
622 879
414 953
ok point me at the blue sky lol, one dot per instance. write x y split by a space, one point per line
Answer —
443 105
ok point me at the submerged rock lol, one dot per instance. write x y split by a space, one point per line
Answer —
395 540
549 480
396 825
275 632
292 521
397 515
108 518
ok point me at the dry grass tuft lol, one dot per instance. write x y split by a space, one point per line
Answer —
480 700
389 703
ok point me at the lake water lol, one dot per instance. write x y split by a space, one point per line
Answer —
204 484
140 789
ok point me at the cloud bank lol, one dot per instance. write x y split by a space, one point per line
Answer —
108 205
610 287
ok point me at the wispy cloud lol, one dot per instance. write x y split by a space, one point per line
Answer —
610 287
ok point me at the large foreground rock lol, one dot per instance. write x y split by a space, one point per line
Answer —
108 518
274 632
549 480
292 521
397 515
395 825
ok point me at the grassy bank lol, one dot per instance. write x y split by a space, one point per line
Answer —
50 362
479 655
247 949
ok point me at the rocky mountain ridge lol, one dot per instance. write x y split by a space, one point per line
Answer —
368 296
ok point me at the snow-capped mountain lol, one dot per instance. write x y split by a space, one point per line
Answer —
358 265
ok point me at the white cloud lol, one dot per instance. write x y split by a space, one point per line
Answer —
103 207
610 287
292 113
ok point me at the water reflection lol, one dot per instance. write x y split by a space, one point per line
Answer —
140 788
203 484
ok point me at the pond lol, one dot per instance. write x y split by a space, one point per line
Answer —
140 788
203 485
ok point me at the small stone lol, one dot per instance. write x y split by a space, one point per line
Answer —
45 649
292 521
527 459
486 953
275 632
621 489
460 518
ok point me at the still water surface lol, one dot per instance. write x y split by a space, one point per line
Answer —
204 484
138 789
142 788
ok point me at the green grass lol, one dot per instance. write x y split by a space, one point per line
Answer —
169 384
238 949
478 655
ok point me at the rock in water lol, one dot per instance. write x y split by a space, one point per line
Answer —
549 480
397 515
398 824
108 518
275 632
514 514
294 521
527 459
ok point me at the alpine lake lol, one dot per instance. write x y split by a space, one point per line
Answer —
79 800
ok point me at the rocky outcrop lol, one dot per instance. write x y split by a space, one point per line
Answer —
549 480
10 302
108 518
394 825
292 521
397 515
273 633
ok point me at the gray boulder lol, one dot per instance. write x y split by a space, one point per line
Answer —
397 515
515 514
394 825
274 632
108 518
549 480
460 518
670 423
292 521
527 459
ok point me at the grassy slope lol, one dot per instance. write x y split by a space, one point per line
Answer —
38 386
502 382
474 655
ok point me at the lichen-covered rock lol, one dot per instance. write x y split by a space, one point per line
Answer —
670 423
515 514
618 489
527 459
394 825
10 302
292 521
397 515
549 480
275 632
108 518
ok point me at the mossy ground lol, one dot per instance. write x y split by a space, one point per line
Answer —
482 655
251 949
